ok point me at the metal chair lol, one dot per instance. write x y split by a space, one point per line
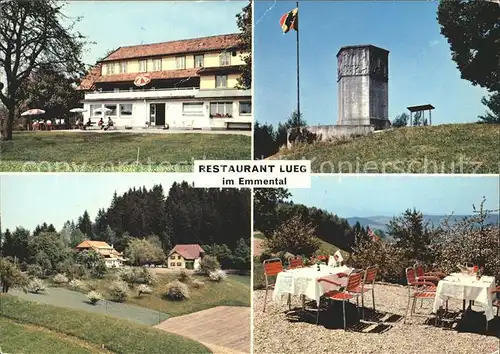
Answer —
417 290
272 267
344 294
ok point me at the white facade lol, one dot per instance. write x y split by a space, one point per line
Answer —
113 262
175 108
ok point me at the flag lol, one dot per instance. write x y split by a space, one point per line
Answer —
290 21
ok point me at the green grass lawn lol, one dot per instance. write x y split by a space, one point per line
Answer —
452 148
115 335
234 291
117 152
28 339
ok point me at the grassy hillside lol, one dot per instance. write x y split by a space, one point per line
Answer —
117 152
234 291
23 338
452 148
113 334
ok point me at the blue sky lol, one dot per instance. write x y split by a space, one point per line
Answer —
28 200
388 195
420 67
120 23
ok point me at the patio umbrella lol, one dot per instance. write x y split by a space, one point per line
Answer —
142 80
77 110
32 112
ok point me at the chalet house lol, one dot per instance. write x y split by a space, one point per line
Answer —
112 258
184 84
185 257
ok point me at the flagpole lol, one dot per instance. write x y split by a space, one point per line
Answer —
298 67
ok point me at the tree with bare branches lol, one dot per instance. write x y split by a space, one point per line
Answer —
33 34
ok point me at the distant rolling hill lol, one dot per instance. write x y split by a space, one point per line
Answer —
380 222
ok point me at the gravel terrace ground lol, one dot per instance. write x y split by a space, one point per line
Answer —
78 301
276 332
223 329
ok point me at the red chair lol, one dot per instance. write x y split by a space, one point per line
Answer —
353 282
417 290
272 267
433 277
368 284
295 262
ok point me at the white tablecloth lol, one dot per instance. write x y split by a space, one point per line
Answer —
467 287
304 281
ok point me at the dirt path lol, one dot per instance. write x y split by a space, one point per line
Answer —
223 329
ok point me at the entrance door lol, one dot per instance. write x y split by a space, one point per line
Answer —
157 114
160 114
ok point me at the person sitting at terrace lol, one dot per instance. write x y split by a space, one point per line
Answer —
101 123
110 124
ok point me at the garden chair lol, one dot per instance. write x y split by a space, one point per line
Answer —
272 267
368 284
433 277
418 289
344 294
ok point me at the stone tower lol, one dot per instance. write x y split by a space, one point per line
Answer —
363 75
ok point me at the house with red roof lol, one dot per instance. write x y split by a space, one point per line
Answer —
183 84
185 256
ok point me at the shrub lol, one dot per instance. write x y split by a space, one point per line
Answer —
148 277
184 276
99 270
209 264
76 284
60 279
197 284
118 291
144 289
389 257
294 236
177 291
469 240
94 297
130 275
72 270
36 286
217 275
34 270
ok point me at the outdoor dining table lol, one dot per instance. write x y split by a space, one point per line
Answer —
304 281
466 287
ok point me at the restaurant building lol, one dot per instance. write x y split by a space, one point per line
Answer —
185 84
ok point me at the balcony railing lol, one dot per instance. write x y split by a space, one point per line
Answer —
141 94
138 89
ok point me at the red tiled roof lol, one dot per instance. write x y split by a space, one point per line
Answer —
194 45
166 74
188 251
